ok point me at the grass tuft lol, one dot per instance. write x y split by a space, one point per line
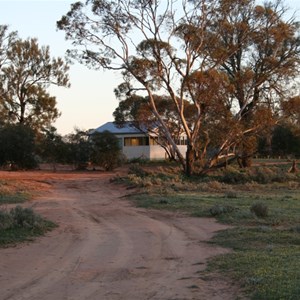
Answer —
259 209
21 224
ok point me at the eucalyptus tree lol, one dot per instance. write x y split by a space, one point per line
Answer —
6 38
154 46
17 146
136 110
105 150
165 48
259 49
26 75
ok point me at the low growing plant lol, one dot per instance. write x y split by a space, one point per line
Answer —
20 224
260 210
217 209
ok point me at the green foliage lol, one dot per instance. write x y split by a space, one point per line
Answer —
6 220
217 90
24 217
285 142
52 148
105 150
234 176
218 209
20 224
13 198
79 149
17 146
261 175
259 209
26 73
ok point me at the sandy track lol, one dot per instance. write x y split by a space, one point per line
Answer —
104 248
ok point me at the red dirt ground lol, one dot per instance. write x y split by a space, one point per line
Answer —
106 249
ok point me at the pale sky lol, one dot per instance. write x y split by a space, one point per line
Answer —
90 101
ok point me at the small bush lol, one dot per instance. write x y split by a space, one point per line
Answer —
6 220
262 175
25 217
259 209
217 209
105 150
231 195
233 176
20 217
21 224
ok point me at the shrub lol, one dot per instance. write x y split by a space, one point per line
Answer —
262 175
231 195
233 176
105 150
217 209
19 217
17 147
25 217
21 224
259 209
6 220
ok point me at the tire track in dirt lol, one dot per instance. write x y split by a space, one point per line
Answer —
104 248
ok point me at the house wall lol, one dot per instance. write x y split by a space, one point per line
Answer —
137 152
151 152
182 149
157 152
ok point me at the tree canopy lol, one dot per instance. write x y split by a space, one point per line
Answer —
26 72
105 150
17 146
234 62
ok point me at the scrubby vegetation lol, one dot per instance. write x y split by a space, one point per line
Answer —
262 204
18 224
12 192
21 224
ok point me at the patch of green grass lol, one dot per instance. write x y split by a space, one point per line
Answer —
266 247
258 237
12 192
282 210
270 273
21 224
13 236
14 198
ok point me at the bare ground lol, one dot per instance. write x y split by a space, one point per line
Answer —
105 248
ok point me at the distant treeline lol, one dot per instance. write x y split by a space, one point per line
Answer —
23 148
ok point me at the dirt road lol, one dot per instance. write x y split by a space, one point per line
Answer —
104 248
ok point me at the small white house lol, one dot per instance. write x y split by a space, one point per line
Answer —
136 143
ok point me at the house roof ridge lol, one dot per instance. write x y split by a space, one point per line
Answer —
113 127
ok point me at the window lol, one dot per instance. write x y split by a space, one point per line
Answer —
136 141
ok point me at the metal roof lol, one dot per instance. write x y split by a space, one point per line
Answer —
127 128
